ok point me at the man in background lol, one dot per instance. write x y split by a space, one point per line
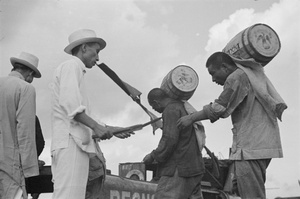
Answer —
18 155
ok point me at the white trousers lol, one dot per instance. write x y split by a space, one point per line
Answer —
70 168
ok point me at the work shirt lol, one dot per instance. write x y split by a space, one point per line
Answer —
69 98
177 148
17 128
255 132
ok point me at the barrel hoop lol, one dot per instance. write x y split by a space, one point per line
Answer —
176 94
246 43
170 88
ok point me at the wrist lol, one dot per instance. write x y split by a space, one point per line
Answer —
193 117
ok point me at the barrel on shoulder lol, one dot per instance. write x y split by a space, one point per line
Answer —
258 41
180 83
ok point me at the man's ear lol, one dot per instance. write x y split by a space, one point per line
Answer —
83 47
152 103
224 67
158 103
155 102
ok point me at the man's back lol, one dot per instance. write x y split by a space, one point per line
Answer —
181 150
17 129
256 133
14 93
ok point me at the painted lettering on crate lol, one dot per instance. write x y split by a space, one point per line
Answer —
115 194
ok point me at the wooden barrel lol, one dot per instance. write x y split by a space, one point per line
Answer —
258 41
180 83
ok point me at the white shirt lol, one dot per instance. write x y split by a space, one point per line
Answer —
68 99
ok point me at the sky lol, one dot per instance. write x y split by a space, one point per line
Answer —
145 40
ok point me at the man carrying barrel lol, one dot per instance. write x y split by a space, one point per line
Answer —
180 163
254 111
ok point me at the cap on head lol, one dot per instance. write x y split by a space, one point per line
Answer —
83 36
28 60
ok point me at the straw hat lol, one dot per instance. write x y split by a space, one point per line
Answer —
83 36
28 60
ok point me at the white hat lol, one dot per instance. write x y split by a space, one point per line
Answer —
28 60
83 36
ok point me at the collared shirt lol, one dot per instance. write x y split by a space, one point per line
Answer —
255 133
177 148
17 127
68 99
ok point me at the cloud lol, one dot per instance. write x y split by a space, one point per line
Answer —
222 32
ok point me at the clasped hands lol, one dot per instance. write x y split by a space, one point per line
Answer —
104 133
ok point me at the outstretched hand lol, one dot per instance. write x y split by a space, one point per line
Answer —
111 131
123 134
184 122
101 132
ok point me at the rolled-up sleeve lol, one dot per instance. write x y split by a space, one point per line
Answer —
235 90
70 98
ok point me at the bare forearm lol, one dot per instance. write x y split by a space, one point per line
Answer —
188 120
86 120
199 116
